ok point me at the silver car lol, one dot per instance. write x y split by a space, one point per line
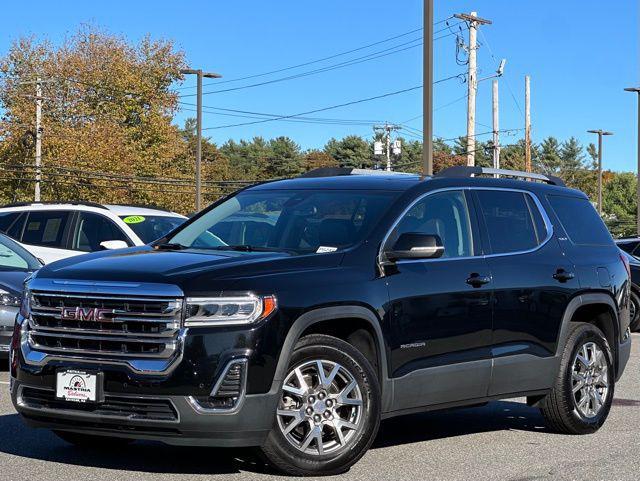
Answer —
16 263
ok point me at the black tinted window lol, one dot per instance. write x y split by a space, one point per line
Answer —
45 228
508 219
92 229
444 214
7 219
580 220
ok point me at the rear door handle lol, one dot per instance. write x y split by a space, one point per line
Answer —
563 276
476 280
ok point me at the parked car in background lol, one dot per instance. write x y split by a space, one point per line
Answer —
294 315
631 245
16 263
53 231
634 307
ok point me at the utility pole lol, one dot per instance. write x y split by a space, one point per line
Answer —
472 81
496 126
200 74
637 91
386 129
600 133
527 123
427 90
38 170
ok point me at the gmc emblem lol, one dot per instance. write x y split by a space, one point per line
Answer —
86 314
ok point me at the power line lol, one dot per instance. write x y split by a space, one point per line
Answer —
415 43
389 94
323 59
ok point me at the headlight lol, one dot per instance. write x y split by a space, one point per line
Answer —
25 304
7 299
224 311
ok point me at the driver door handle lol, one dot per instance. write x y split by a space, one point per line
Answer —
476 280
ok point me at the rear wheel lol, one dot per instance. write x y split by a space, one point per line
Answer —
90 441
329 410
634 312
581 398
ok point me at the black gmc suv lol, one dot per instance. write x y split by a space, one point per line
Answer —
294 315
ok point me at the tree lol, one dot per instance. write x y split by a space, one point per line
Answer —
351 151
284 158
619 203
107 109
317 159
549 159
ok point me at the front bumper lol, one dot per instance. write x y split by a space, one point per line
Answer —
248 426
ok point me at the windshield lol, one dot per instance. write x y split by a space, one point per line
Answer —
151 227
296 221
14 257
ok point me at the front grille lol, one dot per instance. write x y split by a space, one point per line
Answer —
127 327
130 408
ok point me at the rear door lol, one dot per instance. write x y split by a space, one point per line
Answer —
440 308
529 302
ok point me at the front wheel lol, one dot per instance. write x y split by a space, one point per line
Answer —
329 409
581 398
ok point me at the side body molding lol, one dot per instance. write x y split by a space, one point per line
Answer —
328 314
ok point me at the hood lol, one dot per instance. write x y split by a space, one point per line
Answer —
11 281
148 265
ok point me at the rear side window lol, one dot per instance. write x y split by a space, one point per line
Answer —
46 228
580 220
11 224
512 220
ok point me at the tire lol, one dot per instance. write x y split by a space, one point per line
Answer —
91 441
561 408
634 324
352 395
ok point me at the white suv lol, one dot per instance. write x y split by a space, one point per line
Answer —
53 231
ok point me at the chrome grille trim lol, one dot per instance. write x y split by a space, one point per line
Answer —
134 327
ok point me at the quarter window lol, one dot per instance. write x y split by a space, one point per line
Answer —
580 220
512 220
444 214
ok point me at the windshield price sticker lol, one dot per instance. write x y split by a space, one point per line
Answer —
133 219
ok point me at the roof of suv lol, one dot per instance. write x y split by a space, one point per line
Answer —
119 210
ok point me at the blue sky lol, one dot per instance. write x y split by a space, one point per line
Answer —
579 53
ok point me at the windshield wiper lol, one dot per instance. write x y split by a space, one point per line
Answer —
169 246
248 248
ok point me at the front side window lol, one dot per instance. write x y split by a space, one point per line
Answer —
512 219
444 214
299 221
46 228
92 229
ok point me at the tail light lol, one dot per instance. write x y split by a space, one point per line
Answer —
627 266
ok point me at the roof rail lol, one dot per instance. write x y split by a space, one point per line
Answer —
53 202
340 171
469 171
139 206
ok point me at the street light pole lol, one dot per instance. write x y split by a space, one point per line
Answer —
199 74
600 133
637 91
427 90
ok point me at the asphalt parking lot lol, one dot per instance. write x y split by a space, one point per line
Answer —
504 440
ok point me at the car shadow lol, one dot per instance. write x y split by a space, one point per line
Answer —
19 440
428 426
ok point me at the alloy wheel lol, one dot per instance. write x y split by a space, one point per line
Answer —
321 406
590 380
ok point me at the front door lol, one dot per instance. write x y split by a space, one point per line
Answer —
440 309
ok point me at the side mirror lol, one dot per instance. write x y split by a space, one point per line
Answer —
113 244
413 245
